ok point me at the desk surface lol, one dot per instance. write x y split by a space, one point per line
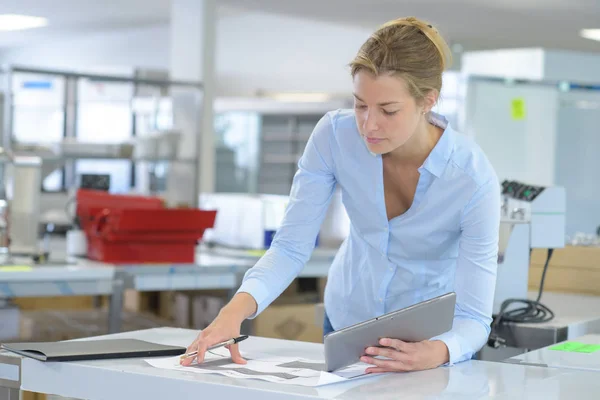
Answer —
562 359
133 378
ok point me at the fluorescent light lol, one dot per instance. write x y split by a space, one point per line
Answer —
592 34
14 22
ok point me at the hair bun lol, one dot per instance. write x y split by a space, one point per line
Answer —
408 48
431 33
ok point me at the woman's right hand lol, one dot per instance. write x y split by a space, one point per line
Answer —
225 326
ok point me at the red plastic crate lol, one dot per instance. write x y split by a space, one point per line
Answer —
141 252
120 231
91 203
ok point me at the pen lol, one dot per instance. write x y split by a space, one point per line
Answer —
216 346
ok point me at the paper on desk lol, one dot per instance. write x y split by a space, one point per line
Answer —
286 370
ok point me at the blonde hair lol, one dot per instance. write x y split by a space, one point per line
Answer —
409 48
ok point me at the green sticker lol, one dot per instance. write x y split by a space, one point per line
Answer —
576 347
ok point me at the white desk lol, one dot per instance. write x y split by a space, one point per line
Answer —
561 359
133 378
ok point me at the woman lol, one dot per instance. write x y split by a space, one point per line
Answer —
423 201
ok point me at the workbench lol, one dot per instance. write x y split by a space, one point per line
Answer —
67 276
77 278
124 379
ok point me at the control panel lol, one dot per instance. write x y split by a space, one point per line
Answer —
95 182
521 191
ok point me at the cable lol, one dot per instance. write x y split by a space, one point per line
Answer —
215 354
532 312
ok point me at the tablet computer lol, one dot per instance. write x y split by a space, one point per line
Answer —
418 322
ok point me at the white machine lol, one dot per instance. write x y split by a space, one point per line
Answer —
249 221
532 217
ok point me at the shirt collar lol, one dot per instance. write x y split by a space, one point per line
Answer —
437 160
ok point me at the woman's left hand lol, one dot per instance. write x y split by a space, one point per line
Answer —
405 356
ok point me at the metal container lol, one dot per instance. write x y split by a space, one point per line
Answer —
25 205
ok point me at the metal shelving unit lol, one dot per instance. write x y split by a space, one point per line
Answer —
280 134
141 87
282 142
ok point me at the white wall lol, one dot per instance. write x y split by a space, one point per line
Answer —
255 51
260 51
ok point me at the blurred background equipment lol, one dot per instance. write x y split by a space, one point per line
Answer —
535 113
533 217
107 132
95 182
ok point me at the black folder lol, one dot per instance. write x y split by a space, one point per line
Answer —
82 350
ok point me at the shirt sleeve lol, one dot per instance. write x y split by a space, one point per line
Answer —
475 279
294 241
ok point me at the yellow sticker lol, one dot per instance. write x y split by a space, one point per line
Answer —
16 268
518 109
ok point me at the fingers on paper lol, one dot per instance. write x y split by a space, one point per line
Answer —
236 357
191 348
202 347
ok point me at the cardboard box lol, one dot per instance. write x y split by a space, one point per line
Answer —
33 396
322 284
290 319
192 309
291 290
197 309
182 307
205 309
573 269
135 301
54 303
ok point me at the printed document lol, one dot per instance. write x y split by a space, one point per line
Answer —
286 370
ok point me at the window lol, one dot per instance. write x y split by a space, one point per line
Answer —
38 116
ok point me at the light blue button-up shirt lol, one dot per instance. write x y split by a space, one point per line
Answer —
446 241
